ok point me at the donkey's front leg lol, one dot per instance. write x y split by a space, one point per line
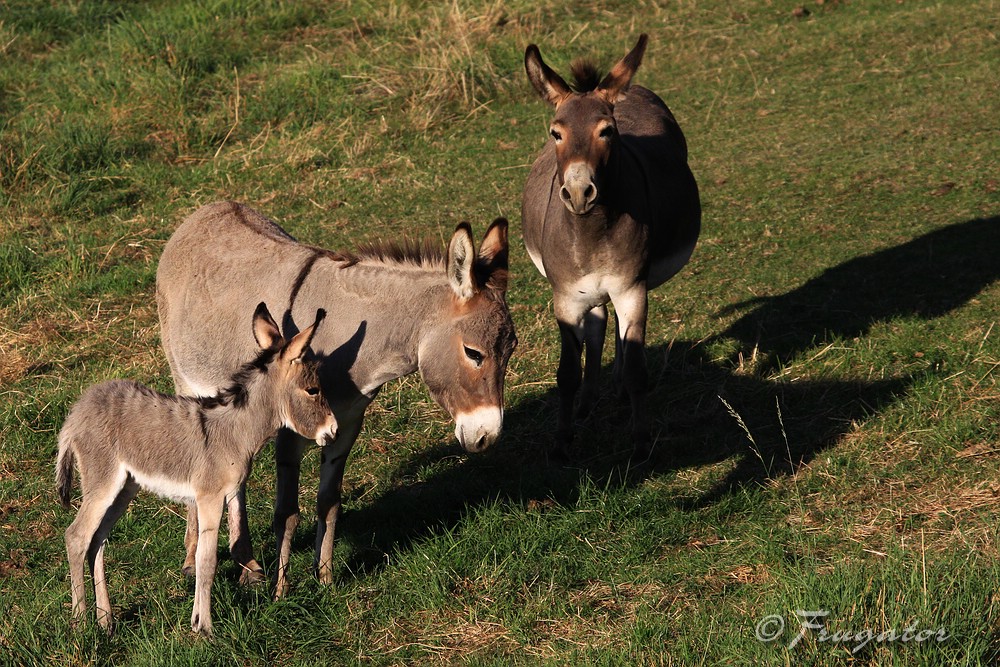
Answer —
209 517
568 376
328 499
595 326
288 450
631 308
240 548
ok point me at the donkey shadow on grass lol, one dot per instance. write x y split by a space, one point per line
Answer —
790 422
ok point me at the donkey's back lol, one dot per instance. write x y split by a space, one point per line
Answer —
220 261
120 427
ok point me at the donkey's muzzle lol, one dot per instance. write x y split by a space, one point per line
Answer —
578 192
478 429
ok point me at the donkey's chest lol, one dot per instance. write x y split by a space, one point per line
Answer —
593 289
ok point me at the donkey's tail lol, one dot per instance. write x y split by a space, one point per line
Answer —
64 469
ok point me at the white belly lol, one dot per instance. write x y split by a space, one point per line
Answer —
167 488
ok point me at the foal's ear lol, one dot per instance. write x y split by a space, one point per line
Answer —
299 344
265 331
461 258
492 262
618 79
549 85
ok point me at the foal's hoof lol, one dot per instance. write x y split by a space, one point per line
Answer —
188 570
281 590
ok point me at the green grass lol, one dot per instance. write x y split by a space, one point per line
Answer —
824 371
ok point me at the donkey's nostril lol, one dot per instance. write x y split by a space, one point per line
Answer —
588 192
564 194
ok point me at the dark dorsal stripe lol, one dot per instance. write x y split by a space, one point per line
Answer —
301 278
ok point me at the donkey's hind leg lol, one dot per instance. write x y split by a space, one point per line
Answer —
190 540
96 552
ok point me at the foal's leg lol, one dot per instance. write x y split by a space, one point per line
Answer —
288 451
631 309
595 326
80 535
96 552
239 539
190 539
240 547
328 499
209 518
78 539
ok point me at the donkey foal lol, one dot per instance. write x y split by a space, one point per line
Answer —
124 436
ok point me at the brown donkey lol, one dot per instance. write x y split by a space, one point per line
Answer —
610 210
399 310
124 437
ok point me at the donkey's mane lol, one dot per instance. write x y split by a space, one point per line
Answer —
423 254
586 76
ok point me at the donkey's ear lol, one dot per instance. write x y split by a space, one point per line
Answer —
493 253
461 258
617 81
265 331
549 85
299 344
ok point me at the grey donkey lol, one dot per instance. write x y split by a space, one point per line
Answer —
124 436
610 211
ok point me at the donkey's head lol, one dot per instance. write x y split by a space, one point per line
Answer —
584 128
294 370
463 355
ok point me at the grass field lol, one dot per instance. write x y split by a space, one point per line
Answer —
825 370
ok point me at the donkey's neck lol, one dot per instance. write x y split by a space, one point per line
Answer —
242 427
384 308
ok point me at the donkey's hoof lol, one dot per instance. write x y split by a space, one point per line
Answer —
252 574
642 446
562 446
188 570
588 401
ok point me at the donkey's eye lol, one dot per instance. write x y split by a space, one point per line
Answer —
313 391
607 132
474 355
556 134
